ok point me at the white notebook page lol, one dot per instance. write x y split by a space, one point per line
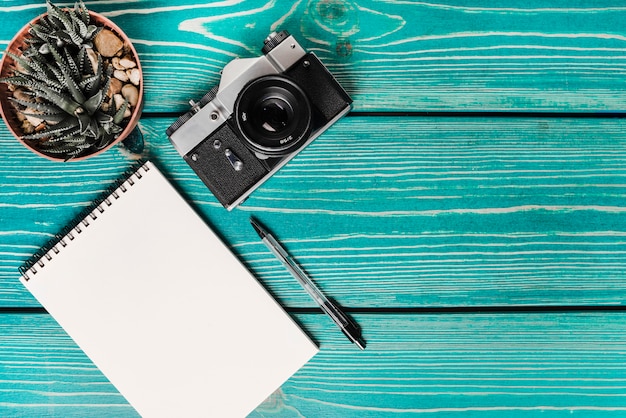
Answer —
165 310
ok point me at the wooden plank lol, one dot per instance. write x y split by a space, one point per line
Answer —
442 212
492 365
455 212
407 55
44 373
439 365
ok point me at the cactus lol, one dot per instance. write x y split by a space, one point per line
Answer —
61 82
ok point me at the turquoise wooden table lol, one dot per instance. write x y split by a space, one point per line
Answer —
470 212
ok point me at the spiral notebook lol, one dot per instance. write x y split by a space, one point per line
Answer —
163 308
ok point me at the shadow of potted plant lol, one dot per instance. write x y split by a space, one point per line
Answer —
71 84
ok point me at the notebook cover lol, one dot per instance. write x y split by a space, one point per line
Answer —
164 309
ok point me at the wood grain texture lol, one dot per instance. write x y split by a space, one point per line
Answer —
390 55
444 212
470 365
385 212
452 365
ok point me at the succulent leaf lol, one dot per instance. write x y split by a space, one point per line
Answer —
79 25
60 15
69 137
50 118
104 141
94 102
23 63
119 115
48 132
63 102
100 81
40 32
44 49
74 72
74 89
83 61
88 126
82 12
92 31
89 81
45 108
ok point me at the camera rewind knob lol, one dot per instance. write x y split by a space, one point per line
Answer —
273 40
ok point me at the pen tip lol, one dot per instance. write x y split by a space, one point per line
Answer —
360 343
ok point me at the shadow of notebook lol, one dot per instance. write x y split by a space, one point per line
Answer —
163 308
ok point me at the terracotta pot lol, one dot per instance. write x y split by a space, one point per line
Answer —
9 112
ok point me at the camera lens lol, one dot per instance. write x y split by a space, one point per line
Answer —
273 115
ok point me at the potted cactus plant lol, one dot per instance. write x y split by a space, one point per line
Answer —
70 84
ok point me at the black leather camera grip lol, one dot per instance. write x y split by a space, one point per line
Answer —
225 165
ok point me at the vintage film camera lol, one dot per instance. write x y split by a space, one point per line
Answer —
264 111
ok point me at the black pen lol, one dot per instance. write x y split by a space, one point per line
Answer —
342 320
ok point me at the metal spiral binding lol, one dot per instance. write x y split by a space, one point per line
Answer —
83 220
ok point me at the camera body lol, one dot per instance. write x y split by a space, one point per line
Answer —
263 112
